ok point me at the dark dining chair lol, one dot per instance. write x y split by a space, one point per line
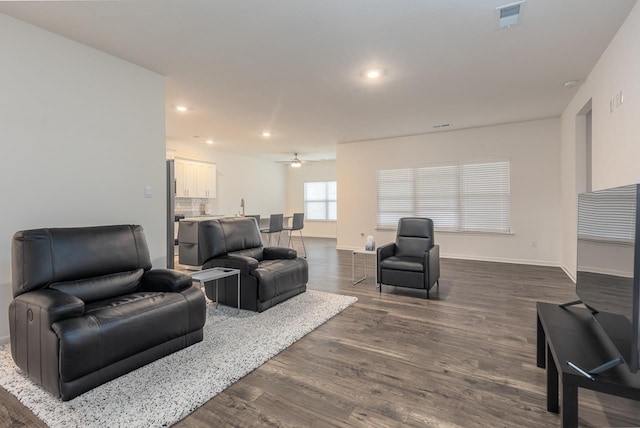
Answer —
275 226
257 217
296 224
413 260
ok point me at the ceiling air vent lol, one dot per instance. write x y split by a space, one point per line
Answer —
509 14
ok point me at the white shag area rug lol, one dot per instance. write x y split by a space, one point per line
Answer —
165 391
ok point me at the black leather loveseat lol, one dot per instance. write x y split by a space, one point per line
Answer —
269 275
87 308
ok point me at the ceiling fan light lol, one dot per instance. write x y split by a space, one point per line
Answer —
374 73
296 163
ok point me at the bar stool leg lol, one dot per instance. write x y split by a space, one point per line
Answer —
303 246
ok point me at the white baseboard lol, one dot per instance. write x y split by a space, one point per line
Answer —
4 340
342 247
569 274
501 260
481 258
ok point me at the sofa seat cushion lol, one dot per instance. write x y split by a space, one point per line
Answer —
412 264
277 277
119 327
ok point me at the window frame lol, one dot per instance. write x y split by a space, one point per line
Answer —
326 201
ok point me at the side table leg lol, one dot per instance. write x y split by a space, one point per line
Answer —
569 406
552 383
238 293
353 267
353 264
217 293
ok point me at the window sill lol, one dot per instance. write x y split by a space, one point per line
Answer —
464 232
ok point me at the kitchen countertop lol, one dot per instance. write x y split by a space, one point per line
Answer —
202 217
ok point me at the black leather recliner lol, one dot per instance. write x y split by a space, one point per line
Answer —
269 275
87 308
413 260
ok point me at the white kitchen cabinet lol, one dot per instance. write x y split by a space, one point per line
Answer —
195 179
206 177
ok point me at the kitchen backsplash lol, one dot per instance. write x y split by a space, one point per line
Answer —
190 207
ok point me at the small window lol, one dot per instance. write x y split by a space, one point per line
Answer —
320 200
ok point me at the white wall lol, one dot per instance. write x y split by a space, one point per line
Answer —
534 150
296 177
615 136
261 182
81 134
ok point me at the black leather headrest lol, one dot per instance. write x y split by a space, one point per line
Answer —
415 236
226 235
40 257
417 227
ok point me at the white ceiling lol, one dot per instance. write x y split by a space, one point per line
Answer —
294 66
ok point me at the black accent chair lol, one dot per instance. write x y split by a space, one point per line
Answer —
296 224
87 308
275 226
269 275
413 260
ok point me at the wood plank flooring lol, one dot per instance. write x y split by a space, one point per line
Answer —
464 358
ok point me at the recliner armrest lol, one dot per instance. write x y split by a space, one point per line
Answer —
386 250
166 280
432 265
55 304
274 253
382 252
233 261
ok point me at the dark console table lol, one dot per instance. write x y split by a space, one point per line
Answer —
571 334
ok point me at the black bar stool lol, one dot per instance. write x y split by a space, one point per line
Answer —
297 224
275 226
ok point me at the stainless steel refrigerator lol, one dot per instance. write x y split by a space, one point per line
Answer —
171 199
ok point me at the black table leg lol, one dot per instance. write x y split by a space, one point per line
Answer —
569 406
541 344
552 384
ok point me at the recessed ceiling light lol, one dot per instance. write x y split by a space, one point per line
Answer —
374 73
266 134
209 141
182 108
570 83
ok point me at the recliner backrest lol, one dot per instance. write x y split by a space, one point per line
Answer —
414 236
41 257
229 235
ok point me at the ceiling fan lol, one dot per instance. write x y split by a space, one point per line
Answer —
295 162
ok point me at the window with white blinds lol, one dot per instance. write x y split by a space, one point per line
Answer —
460 196
608 215
320 200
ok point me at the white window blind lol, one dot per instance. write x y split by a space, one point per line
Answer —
485 197
471 196
437 196
395 195
608 215
320 200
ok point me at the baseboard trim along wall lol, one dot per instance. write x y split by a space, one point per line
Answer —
569 274
4 340
484 259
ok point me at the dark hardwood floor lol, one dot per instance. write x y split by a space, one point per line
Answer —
464 358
